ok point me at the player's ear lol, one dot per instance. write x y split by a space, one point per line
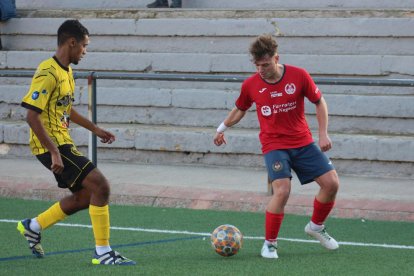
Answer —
72 42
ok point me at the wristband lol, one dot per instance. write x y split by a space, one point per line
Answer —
222 127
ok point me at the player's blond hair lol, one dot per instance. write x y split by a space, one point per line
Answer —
264 45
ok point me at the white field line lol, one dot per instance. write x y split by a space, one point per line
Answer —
137 229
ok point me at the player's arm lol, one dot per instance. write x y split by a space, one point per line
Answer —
33 119
234 116
106 136
325 142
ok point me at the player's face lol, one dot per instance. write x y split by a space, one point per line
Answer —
267 67
78 49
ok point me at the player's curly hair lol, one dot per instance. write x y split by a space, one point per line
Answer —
71 28
262 46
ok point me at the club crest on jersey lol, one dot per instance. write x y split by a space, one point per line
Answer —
266 110
277 166
290 88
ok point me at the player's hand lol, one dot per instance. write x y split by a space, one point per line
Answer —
57 164
325 143
219 139
106 136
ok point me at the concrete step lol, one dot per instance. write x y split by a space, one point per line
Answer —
205 4
325 36
207 107
370 65
220 45
196 143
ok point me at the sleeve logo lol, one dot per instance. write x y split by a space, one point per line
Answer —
35 95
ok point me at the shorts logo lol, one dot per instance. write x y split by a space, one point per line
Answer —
35 95
277 166
290 88
266 110
75 151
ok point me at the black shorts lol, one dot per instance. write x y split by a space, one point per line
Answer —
77 167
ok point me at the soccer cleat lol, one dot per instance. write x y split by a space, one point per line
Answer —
32 237
158 4
323 237
269 250
111 258
175 4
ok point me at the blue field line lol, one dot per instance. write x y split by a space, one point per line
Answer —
12 258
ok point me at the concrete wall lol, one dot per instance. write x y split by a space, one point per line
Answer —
173 122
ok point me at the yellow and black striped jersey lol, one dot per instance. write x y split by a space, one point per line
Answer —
51 94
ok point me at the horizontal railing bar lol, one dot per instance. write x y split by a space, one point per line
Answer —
213 78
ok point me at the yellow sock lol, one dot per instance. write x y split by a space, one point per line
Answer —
51 216
100 224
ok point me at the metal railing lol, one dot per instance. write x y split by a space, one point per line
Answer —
92 78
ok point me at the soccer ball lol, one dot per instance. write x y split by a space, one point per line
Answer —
226 240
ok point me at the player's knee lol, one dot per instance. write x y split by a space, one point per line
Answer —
333 187
102 187
82 200
282 192
97 184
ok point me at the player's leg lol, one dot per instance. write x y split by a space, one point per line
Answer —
278 169
311 164
322 206
30 228
99 189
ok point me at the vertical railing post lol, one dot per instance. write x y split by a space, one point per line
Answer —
92 145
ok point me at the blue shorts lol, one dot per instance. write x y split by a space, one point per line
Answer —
308 162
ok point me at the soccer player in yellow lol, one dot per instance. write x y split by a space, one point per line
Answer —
49 113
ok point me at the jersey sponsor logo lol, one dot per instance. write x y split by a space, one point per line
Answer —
282 108
35 95
266 110
290 88
65 101
262 90
275 94
65 120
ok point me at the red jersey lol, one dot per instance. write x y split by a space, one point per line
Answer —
281 107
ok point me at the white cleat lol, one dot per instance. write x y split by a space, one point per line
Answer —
323 237
269 250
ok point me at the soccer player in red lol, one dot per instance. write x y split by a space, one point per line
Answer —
279 92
